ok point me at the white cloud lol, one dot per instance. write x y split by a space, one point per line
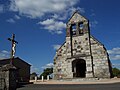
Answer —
56 47
73 9
4 54
114 53
115 57
65 14
38 8
82 10
93 23
49 65
116 64
17 17
1 8
53 26
60 17
11 20
47 22
58 10
35 69
93 14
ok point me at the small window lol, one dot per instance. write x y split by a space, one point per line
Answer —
81 25
81 28
74 29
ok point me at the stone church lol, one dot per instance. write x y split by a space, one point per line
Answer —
81 55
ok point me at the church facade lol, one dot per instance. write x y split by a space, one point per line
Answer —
81 55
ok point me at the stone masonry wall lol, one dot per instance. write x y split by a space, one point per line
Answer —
63 60
100 59
63 66
80 45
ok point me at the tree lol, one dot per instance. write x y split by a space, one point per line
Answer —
46 72
116 72
33 75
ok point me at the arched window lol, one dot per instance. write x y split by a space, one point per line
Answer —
74 29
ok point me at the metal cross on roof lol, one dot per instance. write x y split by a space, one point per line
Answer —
13 47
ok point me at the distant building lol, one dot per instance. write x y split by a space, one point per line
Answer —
81 55
23 68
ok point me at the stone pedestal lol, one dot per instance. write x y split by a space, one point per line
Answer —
8 74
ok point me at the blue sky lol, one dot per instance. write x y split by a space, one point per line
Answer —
39 26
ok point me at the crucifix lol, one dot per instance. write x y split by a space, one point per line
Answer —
13 47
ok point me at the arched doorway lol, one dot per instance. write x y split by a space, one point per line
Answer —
79 68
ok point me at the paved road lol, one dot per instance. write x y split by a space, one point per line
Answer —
71 87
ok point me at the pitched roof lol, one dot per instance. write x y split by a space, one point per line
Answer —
17 58
76 12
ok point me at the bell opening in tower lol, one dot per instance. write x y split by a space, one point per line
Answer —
81 28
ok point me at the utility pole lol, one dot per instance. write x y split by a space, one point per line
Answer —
13 48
